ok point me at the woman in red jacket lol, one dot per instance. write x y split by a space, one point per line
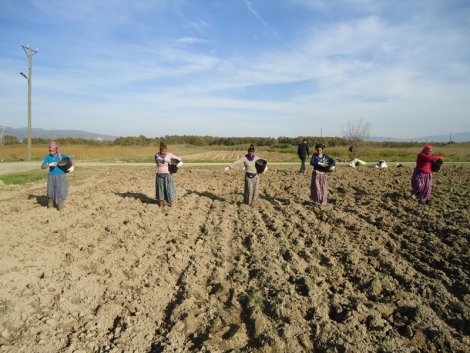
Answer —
421 182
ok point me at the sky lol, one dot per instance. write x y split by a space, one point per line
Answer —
237 67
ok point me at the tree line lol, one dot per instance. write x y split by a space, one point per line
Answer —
279 142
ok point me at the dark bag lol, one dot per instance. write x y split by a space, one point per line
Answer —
64 164
251 175
260 165
331 165
436 165
173 165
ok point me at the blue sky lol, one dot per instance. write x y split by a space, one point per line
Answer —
238 67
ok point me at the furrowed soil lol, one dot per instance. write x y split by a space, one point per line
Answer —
372 271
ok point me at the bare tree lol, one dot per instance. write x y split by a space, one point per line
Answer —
357 134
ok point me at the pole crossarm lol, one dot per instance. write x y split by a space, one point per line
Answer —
28 50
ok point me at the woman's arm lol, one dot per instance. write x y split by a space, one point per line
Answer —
314 160
236 163
45 163
433 158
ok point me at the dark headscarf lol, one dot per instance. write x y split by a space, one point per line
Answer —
248 156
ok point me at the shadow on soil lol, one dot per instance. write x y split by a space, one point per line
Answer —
207 194
138 196
41 200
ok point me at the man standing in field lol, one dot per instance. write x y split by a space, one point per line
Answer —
303 151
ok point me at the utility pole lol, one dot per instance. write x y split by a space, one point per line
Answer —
29 52
2 135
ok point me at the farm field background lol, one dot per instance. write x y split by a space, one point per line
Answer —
206 154
372 271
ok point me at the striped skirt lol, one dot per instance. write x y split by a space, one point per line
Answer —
319 188
421 184
251 192
165 187
57 188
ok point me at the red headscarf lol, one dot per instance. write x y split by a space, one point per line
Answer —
426 149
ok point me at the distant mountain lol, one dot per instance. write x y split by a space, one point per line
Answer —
22 133
460 137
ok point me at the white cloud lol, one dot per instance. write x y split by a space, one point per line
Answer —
127 66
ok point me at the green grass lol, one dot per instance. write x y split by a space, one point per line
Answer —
251 297
23 177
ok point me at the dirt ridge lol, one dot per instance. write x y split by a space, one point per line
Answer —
372 271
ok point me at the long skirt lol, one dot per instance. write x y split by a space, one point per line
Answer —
421 184
57 188
165 187
251 192
319 188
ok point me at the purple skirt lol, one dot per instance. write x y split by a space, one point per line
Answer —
319 188
421 184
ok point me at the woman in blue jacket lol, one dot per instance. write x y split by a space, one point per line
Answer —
57 186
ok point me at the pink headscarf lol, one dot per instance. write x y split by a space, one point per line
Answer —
426 149
53 146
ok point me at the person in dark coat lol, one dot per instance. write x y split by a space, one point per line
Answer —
303 151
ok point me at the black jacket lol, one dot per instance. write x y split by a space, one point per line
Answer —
303 150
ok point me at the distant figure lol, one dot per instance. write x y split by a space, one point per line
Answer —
303 151
356 162
421 181
57 186
164 185
251 191
381 164
322 164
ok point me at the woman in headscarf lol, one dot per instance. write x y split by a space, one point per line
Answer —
165 187
421 181
322 163
248 161
57 186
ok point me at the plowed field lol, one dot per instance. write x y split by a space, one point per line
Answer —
372 271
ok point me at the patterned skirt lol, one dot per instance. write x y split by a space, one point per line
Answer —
57 188
165 187
251 192
421 184
319 188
